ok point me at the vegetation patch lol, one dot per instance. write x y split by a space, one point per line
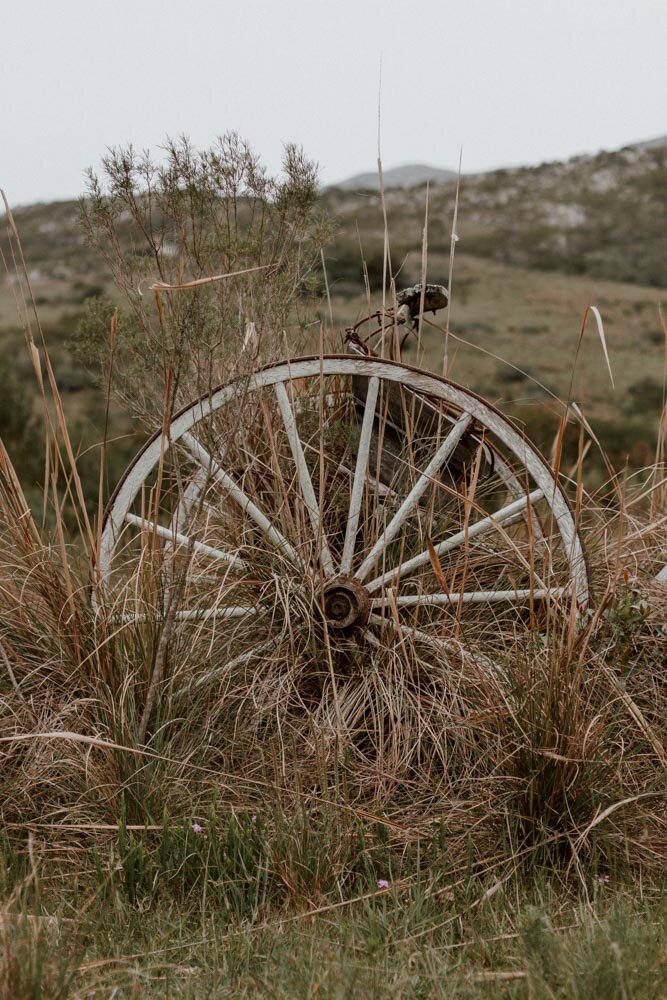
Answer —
322 816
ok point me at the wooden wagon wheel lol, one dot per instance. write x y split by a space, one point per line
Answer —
262 518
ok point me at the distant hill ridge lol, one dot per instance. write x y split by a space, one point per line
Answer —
414 174
659 143
406 176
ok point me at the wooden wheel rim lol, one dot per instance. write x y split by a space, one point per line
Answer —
281 374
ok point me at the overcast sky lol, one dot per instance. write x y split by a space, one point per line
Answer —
509 81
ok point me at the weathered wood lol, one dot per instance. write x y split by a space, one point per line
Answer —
434 406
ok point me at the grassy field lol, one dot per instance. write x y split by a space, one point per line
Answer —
514 337
486 816
416 938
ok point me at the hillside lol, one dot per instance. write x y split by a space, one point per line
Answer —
536 246
603 215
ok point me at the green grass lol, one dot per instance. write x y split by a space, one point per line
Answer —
415 938
505 318
278 905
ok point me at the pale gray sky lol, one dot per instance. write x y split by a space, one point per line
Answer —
511 81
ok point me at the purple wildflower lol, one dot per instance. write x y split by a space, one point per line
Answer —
382 883
197 828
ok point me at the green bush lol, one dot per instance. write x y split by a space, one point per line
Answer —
191 215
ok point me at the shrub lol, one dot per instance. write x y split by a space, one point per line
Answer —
192 216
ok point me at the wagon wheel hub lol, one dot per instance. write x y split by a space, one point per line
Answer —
346 603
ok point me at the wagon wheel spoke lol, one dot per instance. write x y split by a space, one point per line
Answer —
191 499
442 646
470 597
360 475
503 517
516 492
209 464
218 673
178 537
412 499
194 614
305 482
